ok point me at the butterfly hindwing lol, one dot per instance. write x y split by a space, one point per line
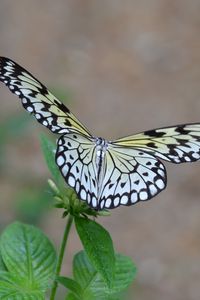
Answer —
37 100
131 175
175 144
75 158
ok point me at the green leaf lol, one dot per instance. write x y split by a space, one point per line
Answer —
98 246
91 282
125 273
72 297
12 288
29 257
48 149
5 275
2 265
70 284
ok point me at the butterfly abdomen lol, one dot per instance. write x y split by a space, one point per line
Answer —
100 159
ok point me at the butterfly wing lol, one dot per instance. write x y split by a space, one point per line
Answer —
134 173
37 100
131 175
75 158
175 144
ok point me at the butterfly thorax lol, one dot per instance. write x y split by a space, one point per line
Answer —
101 148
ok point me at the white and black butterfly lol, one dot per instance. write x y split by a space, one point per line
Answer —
104 173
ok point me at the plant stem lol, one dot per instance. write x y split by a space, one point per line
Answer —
61 255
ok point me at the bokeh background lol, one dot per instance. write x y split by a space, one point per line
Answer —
122 67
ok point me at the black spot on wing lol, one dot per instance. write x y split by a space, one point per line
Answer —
71 157
152 145
122 184
181 129
86 177
172 149
154 133
61 106
183 142
145 174
67 123
46 107
110 185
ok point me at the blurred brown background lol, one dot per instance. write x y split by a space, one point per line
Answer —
125 66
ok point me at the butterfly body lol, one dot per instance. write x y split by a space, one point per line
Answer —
104 173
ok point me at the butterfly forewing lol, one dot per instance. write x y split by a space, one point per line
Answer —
37 100
176 144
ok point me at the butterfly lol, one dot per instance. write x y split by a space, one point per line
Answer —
103 173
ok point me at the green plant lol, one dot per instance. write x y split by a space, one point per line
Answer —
29 266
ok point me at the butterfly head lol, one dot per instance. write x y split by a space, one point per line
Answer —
100 141
101 144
